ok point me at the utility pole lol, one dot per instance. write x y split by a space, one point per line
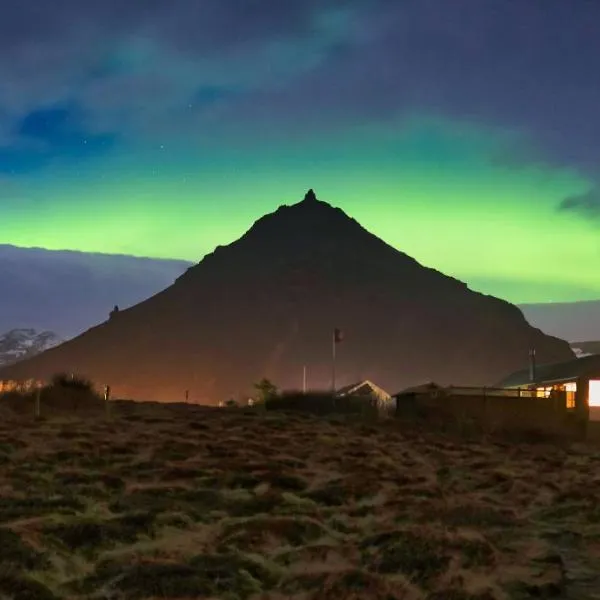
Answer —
107 400
532 365
336 338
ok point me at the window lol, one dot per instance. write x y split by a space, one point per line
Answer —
594 396
571 392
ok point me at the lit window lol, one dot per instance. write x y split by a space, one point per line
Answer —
571 392
594 393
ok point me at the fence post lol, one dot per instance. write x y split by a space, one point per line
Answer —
107 400
38 402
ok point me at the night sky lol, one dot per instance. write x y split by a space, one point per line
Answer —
465 133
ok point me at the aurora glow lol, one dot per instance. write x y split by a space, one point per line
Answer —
463 136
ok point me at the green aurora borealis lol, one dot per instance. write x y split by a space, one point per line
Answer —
438 192
464 137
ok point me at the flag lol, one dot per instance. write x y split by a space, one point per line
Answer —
338 335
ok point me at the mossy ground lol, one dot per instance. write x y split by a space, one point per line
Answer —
164 502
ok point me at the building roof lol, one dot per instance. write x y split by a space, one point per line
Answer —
423 388
375 390
555 372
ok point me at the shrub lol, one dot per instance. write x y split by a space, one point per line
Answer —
65 393
70 393
73 382
266 390
322 404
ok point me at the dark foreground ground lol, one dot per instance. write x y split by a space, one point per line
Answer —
184 502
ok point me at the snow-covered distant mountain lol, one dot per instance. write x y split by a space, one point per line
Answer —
24 343
582 349
579 353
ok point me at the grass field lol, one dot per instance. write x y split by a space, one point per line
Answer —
189 502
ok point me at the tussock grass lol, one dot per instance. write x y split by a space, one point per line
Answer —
273 503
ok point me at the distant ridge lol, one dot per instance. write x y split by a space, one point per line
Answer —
265 306
568 320
66 291
83 253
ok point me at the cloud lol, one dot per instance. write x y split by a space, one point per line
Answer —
68 292
135 67
48 134
528 67
587 205
575 321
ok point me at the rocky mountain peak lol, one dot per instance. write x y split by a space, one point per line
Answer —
310 196
266 304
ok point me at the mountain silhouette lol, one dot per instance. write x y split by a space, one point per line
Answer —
266 305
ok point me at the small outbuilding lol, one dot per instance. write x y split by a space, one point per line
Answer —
577 380
368 390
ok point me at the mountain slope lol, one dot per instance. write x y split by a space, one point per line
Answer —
266 304
66 291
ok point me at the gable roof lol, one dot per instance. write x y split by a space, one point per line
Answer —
355 387
555 372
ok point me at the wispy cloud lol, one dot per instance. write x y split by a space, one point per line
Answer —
587 205
35 280
47 134
134 68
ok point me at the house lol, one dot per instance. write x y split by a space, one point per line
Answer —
434 390
578 380
368 390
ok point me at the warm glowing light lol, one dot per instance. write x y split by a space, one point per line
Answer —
571 391
594 395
